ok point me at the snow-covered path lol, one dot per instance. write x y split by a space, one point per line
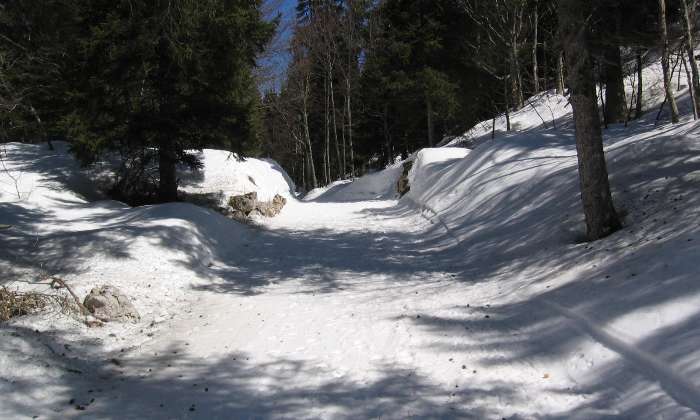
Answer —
325 316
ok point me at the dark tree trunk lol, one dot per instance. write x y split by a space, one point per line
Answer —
640 86
167 169
665 61
44 133
535 40
601 218
616 103
693 98
507 108
689 18
431 129
341 170
387 135
560 73
350 128
307 133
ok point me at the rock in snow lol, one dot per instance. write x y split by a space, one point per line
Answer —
274 207
403 185
243 206
107 303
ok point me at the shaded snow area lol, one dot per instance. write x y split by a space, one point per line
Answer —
471 297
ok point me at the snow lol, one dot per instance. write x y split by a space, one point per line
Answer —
224 174
542 111
380 185
470 297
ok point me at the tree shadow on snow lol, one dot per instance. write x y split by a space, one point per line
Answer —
172 384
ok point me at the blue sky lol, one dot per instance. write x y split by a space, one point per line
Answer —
276 63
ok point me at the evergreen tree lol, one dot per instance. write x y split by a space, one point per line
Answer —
166 76
36 38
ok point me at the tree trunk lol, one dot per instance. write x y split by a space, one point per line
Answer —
341 170
327 125
431 130
387 135
516 86
535 68
307 134
167 170
613 75
663 29
601 218
507 108
640 86
352 151
691 90
560 73
689 17
516 74
44 133
345 155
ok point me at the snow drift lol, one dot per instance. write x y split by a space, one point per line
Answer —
226 174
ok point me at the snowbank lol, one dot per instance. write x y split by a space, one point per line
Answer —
225 174
153 253
429 163
612 322
380 185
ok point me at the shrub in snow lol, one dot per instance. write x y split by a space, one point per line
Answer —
14 304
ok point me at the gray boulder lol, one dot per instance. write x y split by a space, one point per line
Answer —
247 205
403 186
272 208
244 204
107 303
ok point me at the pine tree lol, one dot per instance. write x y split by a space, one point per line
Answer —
165 76
35 47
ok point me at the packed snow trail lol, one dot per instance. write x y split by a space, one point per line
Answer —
330 331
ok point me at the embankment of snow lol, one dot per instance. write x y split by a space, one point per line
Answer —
225 174
153 253
380 185
429 163
613 320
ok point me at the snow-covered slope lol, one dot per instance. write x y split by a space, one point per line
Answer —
548 110
543 110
